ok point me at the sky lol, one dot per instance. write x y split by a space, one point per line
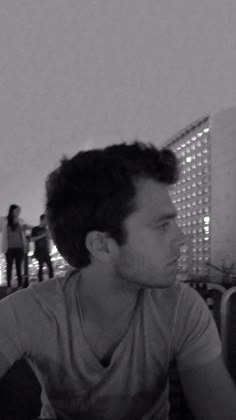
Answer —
86 73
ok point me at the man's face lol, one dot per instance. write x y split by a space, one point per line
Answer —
149 256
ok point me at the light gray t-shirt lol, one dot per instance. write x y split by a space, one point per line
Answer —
44 324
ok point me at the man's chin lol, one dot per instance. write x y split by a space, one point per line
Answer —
161 281
163 284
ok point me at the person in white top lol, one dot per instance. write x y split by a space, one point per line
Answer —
14 243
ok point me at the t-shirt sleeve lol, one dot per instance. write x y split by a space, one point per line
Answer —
195 337
13 340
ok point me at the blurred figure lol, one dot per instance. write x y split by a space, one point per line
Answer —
40 236
14 243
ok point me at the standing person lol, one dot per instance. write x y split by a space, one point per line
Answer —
40 236
14 243
102 338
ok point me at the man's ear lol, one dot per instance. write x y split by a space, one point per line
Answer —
99 245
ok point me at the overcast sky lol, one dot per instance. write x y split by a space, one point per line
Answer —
81 73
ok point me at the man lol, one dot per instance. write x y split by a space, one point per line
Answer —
101 340
40 236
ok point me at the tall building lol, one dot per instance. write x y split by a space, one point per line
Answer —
205 196
192 196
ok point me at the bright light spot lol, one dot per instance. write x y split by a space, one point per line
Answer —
199 134
206 130
54 250
206 220
188 159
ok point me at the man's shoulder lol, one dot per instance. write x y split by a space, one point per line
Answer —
35 294
55 290
170 299
41 301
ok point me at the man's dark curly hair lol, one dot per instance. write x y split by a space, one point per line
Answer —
96 189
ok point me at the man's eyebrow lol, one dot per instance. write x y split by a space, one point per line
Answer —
167 216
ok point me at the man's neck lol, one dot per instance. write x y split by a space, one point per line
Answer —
104 298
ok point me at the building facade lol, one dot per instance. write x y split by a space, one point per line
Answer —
192 196
205 196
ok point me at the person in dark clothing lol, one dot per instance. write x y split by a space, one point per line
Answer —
40 236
